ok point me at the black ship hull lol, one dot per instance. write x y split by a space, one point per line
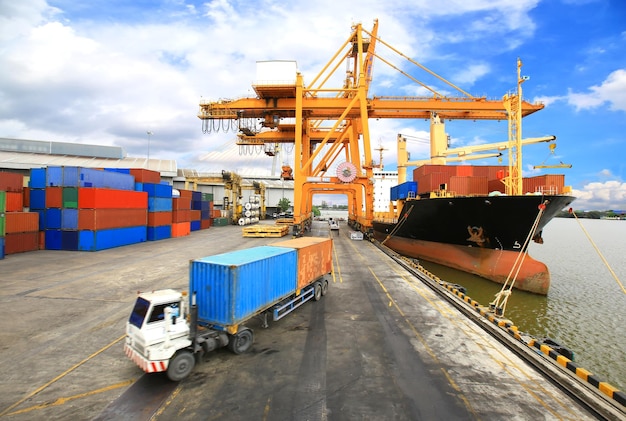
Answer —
482 235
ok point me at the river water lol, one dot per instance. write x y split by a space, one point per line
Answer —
585 309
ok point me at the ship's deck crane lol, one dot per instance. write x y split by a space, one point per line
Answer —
329 125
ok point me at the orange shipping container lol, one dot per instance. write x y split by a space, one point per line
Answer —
314 257
99 219
92 198
26 197
54 197
14 201
159 219
17 222
20 242
195 215
181 229
492 172
547 184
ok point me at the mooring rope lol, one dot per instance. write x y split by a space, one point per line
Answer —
502 297
598 251
398 225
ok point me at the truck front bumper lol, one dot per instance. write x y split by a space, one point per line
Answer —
146 365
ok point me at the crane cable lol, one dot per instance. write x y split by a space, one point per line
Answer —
502 297
598 251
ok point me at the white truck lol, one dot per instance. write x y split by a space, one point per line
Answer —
168 331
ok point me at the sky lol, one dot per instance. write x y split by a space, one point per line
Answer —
108 72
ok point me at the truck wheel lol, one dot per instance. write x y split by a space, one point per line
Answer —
241 342
317 294
180 366
324 287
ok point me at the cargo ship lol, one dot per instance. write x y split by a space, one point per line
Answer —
465 222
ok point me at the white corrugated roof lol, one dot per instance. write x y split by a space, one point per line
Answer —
26 161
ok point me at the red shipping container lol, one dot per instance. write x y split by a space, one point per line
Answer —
181 203
99 219
431 182
15 201
464 170
159 219
54 197
181 229
205 224
429 169
547 184
26 197
195 215
183 215
21 242
21 222
186 194
495 185
216 213
11 182
145 176
490 171
468 186
90 198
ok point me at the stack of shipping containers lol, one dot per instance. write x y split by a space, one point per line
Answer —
85 209
181 214
19 230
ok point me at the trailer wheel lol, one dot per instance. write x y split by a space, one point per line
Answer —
180 366
241 342
317 294
324 287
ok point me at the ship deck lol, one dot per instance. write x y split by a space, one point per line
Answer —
380 345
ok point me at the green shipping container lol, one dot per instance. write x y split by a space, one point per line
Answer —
220 222
70 197
207 197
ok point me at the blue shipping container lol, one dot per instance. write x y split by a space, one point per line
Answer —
54 219
194 226
404 190
69 219
232 287
37 178
1 247
69 240
70 176
37 198
109 238
159 204
105 179
53 239
157 190
159 233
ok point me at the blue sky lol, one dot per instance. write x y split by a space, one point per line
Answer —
106 72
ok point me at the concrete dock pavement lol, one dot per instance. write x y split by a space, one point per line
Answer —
379 345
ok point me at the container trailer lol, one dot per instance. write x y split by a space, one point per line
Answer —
168 330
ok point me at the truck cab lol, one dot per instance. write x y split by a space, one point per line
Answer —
157 329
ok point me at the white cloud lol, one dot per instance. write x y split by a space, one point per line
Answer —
608 195
612 90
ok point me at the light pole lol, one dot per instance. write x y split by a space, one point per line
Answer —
149 133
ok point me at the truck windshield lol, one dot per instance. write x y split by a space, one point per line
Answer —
139 312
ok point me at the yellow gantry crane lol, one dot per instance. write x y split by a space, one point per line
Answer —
328 125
